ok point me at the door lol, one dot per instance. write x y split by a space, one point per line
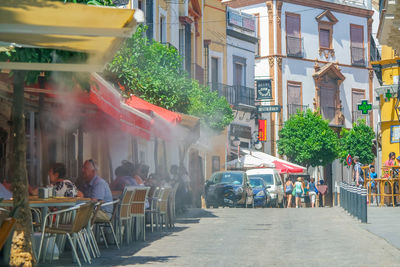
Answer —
328 90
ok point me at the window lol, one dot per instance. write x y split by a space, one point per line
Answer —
163 29
293 36
325 38
357 44
239 74
258 49
294 97
326 20
214 73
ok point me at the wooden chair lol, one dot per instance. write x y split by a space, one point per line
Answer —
65 222
124 214
138 203
171 206
163 207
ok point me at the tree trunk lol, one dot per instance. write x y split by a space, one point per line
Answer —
21 248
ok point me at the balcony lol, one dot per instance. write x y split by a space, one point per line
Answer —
357 56
294 46
293 108
366 4
235 95
356 115
334 115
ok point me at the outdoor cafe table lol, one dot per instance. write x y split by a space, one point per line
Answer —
44 203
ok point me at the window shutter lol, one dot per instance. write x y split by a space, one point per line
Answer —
324 38
356 35
293 25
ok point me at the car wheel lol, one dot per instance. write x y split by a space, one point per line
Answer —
216 206
208 206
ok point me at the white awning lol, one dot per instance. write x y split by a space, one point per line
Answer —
98 31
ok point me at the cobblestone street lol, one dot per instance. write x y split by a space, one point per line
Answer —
260 237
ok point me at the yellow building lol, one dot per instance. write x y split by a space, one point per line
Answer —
388 70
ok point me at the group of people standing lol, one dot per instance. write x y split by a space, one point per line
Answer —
301 188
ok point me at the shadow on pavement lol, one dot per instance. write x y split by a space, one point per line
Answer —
145 260
194 215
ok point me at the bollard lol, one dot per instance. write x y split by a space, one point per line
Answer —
346 198
364 207
351 200
341 194
359 204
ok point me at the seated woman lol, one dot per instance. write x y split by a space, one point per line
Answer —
63 187
124 177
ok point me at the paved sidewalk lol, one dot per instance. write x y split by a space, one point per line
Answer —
385 223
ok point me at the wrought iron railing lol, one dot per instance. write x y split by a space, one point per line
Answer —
357 56
235 95
294 46
332 114
293 108
375 55
356 115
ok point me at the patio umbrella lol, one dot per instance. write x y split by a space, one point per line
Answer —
282 165
249 161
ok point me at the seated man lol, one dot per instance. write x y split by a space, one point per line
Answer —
123 178
97 189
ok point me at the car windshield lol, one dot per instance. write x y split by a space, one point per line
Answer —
256 182
232 178
268 178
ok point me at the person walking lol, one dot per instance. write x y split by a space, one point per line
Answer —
298 186
313 191
288 192
358 176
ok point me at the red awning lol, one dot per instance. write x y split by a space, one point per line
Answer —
149 108
107 99
284 167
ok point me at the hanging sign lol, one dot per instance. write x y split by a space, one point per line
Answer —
264 90
349 160
270 108
364 107
262 130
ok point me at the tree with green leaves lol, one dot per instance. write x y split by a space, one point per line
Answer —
357 142
307 139
153 72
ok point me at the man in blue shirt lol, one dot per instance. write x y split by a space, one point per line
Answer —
97 189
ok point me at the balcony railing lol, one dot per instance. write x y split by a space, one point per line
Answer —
357 56
332 114
375 55
356 115
293 108
294 46
235 95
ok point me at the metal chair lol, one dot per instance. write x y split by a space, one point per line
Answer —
152 211
69 222
108 223
138 203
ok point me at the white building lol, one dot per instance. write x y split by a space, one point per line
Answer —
317 55
241 42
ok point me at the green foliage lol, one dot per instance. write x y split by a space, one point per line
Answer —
153 72
357 142
308 140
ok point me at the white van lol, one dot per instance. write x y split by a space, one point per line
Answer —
273 180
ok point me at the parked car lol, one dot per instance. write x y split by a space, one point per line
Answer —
228 188
262 198
271 178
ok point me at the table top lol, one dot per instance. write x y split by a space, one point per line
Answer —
35 201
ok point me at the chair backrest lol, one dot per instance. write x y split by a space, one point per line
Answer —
82 217
125 204
138 200
163 203
96 209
